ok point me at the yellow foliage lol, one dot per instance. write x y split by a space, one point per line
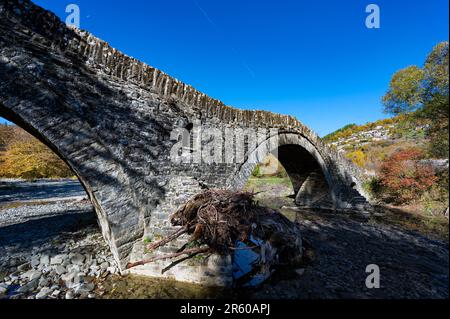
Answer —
358 157
28 158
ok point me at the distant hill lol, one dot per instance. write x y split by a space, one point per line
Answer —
23 156
369 144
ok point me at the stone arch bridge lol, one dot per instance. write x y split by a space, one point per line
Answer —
110 118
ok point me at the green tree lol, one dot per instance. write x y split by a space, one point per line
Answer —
423 92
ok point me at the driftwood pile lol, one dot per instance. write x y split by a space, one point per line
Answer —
223 222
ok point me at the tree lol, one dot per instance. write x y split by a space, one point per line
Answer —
32 160
423 92
23 156
405 177
405 91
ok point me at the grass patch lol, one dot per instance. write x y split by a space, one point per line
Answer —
258 181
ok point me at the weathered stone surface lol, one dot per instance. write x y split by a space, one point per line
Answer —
110 116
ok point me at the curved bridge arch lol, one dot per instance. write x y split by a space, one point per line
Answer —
33 127
300 157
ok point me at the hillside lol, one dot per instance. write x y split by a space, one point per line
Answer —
23 156
369 144
395 152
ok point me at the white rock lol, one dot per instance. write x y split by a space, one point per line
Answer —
104 265
73 268
45 260
43 282
94 268
43 293
77 259
47 270
68 279
58 259
112 270
60 269
69 294
33 274
35 262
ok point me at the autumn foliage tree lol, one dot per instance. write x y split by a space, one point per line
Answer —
423 92
404 177
358 157
23 156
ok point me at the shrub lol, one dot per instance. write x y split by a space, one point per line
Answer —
373 187
358 157
256 172
404 178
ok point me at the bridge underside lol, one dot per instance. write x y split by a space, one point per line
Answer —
308 180
110 117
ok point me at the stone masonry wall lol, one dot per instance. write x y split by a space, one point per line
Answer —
109 116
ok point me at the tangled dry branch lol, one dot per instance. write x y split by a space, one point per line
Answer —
219 219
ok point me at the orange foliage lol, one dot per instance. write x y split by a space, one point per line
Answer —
405 177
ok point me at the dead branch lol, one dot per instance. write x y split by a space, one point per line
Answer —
168 239
192 251
220 219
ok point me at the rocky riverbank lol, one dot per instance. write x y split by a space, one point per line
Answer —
51 258
55 250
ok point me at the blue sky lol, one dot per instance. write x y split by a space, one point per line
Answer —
315 60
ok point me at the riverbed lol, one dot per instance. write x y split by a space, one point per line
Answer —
339 246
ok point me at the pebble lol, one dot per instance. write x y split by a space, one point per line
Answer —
54 268
35 262
69 295
77 259
28 287
68 278
43 282
84 288
57 260
34 274
43 293
45 260
60 269
3 290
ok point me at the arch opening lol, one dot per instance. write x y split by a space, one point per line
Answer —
12 117
27 157
35 177
27 126
290 175
309 178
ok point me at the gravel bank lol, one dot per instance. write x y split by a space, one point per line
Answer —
50 248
